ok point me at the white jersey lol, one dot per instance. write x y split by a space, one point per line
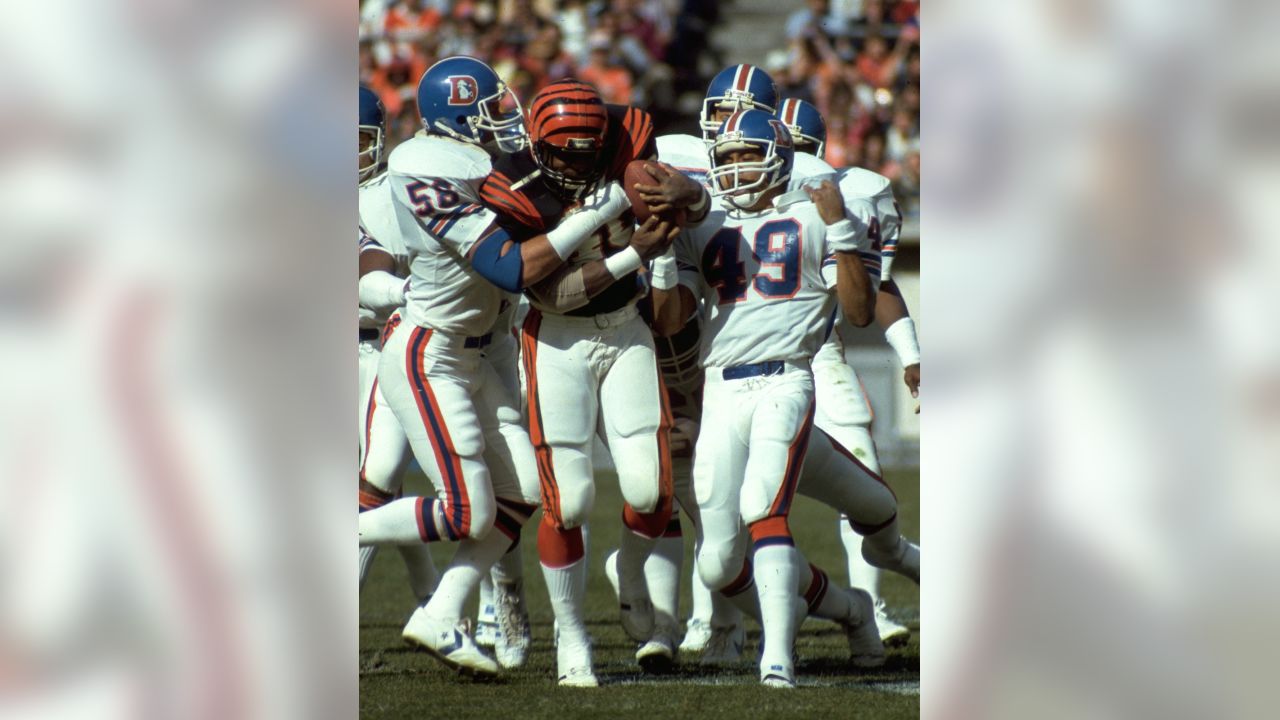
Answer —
762 280
435 184
859 184
380 232
692 156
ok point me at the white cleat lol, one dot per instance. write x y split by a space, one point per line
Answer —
658 656
574 665
513 636
696 636
449 642
776 679
891 633
865 648
635 608
724 646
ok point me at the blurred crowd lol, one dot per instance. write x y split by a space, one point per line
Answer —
857 60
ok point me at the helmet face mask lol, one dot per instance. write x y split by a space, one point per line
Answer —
735 89
462 98
808 129
742 184
369 155
567 126
372 133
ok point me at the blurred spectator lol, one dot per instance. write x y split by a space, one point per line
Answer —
906 188
901 134
545 60
612 80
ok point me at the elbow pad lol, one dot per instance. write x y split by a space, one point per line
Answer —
505 271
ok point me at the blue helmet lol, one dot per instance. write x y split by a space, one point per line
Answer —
373 131
463 98
737 87
805 123
750 129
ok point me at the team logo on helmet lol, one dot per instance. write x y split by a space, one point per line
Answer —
462 90
783 136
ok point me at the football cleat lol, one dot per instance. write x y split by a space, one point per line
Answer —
449 642
658 655
574 665
891 633
635 609
775 679
513 636
865 647
696 636
724 645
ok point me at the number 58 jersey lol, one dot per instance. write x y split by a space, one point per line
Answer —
765 292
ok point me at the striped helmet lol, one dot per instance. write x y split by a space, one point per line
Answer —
567 123
806 125
737 87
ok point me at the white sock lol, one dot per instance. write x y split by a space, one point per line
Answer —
776 575
662 573
861 573
422 570
834 603
393 523
702 597
510 567
724 613
367 554
633 551
485 611
566 587
473 559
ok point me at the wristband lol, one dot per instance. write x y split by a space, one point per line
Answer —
697 208
663 274
902 338
623 263
606 204
843 236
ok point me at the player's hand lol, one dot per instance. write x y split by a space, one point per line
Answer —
911 376
674 189
653 237
829 201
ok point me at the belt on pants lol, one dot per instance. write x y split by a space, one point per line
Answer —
768 367
478 342
369 334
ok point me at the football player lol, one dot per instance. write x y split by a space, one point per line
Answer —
456 407
765 272
847 417
384 264
588 356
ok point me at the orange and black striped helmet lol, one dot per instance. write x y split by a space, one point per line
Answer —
567 123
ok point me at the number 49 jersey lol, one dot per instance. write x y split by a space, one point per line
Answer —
766 293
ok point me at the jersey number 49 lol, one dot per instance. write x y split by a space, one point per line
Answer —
775 248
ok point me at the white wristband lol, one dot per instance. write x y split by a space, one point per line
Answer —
843 236
380 290
623 263
604 205
663 274
902 338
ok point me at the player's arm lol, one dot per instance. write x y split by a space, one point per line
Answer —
673 280
571 288
380 288
900 332
849 243
514 266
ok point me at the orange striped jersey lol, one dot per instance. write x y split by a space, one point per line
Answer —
527 206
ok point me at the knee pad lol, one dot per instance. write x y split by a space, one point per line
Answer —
572 505
719 564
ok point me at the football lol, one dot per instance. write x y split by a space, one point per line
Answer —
638 172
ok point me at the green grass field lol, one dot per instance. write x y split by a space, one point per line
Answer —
399 682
